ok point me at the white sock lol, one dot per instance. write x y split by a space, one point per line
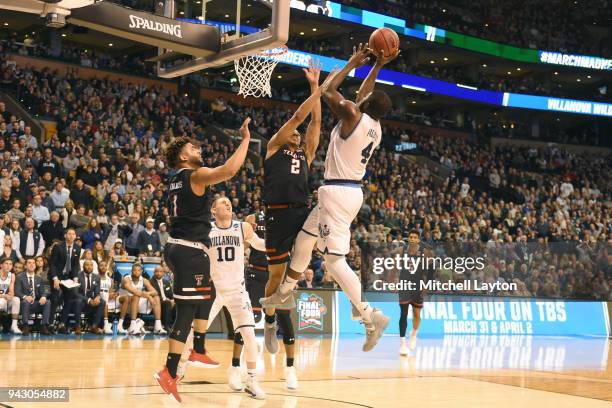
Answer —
14 324
252 373
413 332
287 285
120 324
402 341
158 324
349 282
105 322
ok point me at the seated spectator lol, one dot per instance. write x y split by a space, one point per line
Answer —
87 255
31 243
115 230
148 240
31 291
52 230
163 235
137 292
81 195
308 281
164 290
67 212
93 233
88 299
39 211
79 220
60 195
15 212
131 241
7 251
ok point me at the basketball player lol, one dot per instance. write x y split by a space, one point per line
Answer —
228 239
109 295
285 192
9 303
142 298
411 297
352 141
189 203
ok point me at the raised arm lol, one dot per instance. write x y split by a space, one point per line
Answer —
342 108
313 133
283 134
251 237
367 86
206 176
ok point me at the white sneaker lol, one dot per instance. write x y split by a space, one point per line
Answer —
121 330
375 329
134 327
108 328
403 349
15 329
412 342
234 379
253 389
291 380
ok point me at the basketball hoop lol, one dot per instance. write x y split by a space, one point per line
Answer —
254 71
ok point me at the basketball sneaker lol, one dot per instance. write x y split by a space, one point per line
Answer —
134 327
413 341
121 330
253 389
108 328
375 329
291 380
234 378
278 300
403 349
270 339
180 371
201 360
168 384
15 328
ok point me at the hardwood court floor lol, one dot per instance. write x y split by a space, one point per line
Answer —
455 371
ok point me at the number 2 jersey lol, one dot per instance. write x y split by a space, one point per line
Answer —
226 255
286 177
347 158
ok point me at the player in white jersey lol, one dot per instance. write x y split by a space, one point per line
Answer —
9 303
226 255
107 292
352 142
142 298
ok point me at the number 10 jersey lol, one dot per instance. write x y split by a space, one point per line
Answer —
226 255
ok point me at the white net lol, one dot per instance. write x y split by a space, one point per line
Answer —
254 72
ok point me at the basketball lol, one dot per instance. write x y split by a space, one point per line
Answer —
384 39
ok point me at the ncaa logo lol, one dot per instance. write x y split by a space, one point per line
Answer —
199 279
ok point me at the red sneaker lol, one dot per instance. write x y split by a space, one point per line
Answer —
202 360
168 384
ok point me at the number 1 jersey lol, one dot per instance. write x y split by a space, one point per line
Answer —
347 158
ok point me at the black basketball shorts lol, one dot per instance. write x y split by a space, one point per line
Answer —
282 227
191 269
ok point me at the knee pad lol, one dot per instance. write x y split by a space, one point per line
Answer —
182 324
247 333
238 338
302 251
284 321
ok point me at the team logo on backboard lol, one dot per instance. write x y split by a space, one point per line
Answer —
311 310
199 279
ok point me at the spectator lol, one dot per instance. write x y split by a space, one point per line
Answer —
81 195
164 290
87 255
148 240
116 231
52 230
30 289
64 265
39 211
67 212
6 201
8 252
93 233
308 281
79 221
31 243
60 195
15 212
88 298
163 235
131 242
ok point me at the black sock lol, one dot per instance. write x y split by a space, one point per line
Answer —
270 318
198 342
235 362
172 363
289 361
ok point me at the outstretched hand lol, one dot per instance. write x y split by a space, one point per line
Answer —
382 60
313 72
361 55
328 80
244 129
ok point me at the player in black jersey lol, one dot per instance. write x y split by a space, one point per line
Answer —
285 190
189 202
257 272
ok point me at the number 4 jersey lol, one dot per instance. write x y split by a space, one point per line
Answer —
226 255
347 158
286 177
